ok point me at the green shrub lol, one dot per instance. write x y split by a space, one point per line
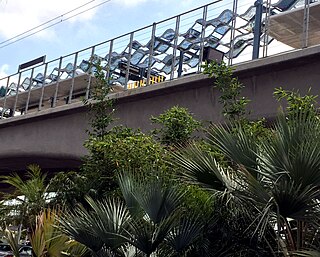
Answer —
177 126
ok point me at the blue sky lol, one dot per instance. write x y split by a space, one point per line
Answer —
109 20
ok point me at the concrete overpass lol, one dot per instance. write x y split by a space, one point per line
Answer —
54 137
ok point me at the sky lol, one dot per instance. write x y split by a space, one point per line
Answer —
106 19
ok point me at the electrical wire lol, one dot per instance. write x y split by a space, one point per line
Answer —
49 21
2 44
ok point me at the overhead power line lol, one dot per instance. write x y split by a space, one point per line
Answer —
41 27
47 22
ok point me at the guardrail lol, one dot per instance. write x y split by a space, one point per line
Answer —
175 47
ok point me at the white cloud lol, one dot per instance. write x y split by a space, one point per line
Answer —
172 2
131 2
22 15
3 70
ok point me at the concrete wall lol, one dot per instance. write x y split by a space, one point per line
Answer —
54 138
50 141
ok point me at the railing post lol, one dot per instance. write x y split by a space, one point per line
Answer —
17 95
73 76
43 86
233 30
29 91
306 17
90 76
129 60
5 97
54 100
203 30
151 53
175 45
109 61
257 29
266 28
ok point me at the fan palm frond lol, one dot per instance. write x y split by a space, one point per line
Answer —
102 226
111 219
293 151
147 236
307 253
236 143
152 196
77 224
184 233
200 167
127 186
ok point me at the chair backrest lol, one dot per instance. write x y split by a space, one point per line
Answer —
26 84
137 56
191 34
12 89
284 5
69 68
168 35
39 79
145 63
136 45
3 91
225 17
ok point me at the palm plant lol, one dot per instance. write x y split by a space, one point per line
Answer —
99 228
156 216
28 199
150 221
276 179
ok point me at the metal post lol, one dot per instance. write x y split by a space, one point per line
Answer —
175 45
90 77
43 85
203 30
266 36
180 64
109 61
151 53
29 91
5 98
306 17
128 61
54 100
257 29
73 76
233 30
17 95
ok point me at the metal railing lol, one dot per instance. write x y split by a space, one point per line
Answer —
166 50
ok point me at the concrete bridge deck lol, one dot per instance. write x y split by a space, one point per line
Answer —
54 137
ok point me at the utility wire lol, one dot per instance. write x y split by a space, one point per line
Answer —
45 23
51 25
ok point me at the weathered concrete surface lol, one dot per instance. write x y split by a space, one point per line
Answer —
52 142
54 138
